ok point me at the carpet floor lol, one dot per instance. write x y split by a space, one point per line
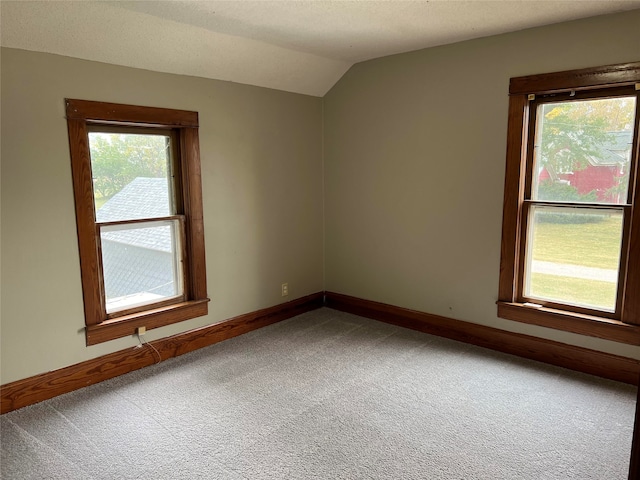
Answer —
329 395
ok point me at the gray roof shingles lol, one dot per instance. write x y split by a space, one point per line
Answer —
138 259
142 198
616 151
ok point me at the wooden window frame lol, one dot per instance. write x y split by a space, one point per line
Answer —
83 115
624 325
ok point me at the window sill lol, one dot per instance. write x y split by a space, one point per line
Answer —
591 326
158 317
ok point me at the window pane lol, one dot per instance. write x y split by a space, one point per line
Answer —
130 176
583 150
141 263
573 256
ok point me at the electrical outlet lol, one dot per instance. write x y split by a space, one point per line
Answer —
285 289
142 330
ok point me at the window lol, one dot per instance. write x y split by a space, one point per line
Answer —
138 198
571 221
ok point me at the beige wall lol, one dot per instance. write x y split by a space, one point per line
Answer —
262 186
414 167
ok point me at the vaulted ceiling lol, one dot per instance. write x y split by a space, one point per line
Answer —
297 46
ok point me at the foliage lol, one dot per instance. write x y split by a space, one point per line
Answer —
563 192
117 159
569 218
621 188
569 139
572 132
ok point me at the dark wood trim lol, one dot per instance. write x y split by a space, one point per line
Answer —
48 385
604 365
591 82
88 245
634 464
586 78
192 200
155 317
623 264
631 304
85 115
129 114
119 314
583 324
513 196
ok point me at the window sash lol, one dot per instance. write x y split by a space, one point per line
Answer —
530 132
176 206
178 261
529 137
525 271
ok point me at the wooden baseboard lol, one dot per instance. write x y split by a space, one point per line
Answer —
48 385
601 364
51 384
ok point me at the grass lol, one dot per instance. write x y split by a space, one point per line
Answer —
586 244
593 293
